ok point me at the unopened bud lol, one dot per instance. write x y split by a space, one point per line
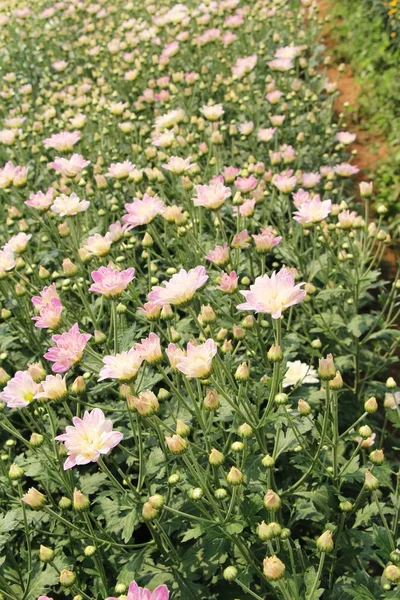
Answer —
377 457
157 501
234 477
365 431
149 512
67 578
281 399
64 503
337 382
390 383
392 573
325 542
147 241
242 372
370 481
275 353
15 472
371 405
327 370
80 501
272 501
230 573
216 457
36 440
78 386
245 430
176 444
346 506
45 554
89 550
268 461
303 407
99 336
211 401
273 568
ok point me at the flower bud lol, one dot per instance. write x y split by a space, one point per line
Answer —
36 440
275 353
346 506
237 446
395 556
242 372
245 430
390 383
286 533
78 386
371 405
370 481
147 241
149 512
4 376
303 407
64 503
316 344
392 573
377 457
365 431
120 588
234 477
195 493
207 314
145 404
248 322
230 573
166 313
220 494
157 501
268 461
176 444
272 501
366 188
163 394
273 568
216 457
327 368
37 372
174 478
325 542
67 578
15 472
268 531
45 554
238 332
68 267
281 399
337 382
34 498
211 401
80 502
182 429
89 550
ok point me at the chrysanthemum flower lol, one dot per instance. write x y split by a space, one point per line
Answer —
123 366
54 387
299 373
63 141
41 201
20 390
273 294
142 212
111 282
138 593
213 195
313 211
67 206
180 289
150 348
68 350
69 167
88 438
198 360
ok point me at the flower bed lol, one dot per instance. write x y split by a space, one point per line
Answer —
195 333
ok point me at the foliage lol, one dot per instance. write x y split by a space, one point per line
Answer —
264 462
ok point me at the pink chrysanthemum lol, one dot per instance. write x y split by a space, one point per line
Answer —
123 366
180 289
150 348
273 294
198 360
213 195
142 212
111 282
68 350
313 211
88 438
20 390
138 593
69 167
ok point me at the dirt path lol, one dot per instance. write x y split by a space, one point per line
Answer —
371 148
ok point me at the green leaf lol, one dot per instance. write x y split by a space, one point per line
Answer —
42 581
129 523
364 515
309 580
234 528
192 534
360 324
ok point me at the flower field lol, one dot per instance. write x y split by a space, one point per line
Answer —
198 347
